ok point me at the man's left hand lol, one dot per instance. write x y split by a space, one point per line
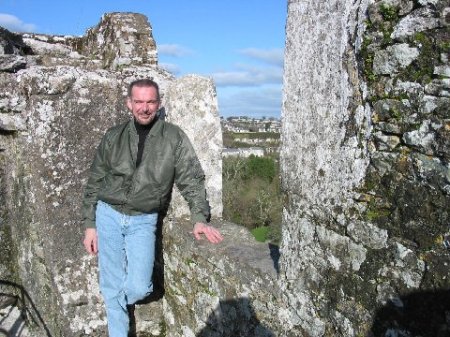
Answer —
212 234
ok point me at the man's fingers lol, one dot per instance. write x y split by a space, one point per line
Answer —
90 241
212 234
94 246
90 246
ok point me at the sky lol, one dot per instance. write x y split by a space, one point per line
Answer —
238 43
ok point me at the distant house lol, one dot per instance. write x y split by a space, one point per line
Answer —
244 124
243 152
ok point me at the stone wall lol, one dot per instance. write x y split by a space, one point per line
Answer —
366 168
365 175
58 96
221 290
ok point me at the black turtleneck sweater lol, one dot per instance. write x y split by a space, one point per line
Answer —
142 131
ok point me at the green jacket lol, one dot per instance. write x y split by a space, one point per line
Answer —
168 158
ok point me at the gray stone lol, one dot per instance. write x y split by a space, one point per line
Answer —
408 122
435 105
440 88
424 138
386 142
218 290
12 123
430 168
195 93
121 39
442 71
420 20
428 2
383 162
394 58
52 118
49 45
403 6
12 63
359 222
407 269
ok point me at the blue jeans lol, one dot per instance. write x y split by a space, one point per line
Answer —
126 254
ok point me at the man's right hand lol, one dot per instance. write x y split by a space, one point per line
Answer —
90 241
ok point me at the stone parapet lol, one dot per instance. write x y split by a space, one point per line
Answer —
55 105
228 289
365 168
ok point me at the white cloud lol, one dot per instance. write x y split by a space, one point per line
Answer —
247 75
271 56
244 89
14 24
174 50
171 68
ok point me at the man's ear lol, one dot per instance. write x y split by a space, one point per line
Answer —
129 106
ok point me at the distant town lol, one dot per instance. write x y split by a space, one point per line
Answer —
244 136
248 124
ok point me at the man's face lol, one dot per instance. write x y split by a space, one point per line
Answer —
143 104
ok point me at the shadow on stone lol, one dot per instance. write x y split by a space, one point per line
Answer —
162 113
275 255
417 314
234 318
18 297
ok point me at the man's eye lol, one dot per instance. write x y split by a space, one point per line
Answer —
147 102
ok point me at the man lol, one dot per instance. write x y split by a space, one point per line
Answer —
130 183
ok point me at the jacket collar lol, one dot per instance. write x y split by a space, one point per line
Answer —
156 129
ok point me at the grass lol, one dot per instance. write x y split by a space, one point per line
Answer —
261 233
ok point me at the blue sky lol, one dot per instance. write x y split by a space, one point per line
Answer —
239 43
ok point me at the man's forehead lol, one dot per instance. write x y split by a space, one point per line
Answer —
143 91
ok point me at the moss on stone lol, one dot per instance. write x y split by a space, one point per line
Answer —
367 57
389 13
349 294
421 70
190 261
162 328
8 249
374 214
8 253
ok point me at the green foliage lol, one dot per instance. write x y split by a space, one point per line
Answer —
258 135
261 167
249 168
367 57
261 233
227 139
445 47
376 210
251 193
373 214
389 13
421 70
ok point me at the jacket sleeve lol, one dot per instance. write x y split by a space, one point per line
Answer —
97 172
190 180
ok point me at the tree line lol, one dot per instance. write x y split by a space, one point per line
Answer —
251 195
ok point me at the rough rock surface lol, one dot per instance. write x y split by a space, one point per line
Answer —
224 290
195 94
365 168
53 112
